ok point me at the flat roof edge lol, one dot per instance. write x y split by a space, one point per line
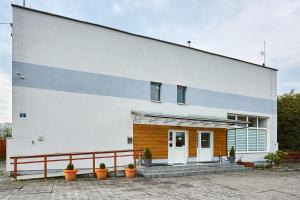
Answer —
142 36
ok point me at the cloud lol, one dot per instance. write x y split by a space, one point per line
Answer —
117 8
120 7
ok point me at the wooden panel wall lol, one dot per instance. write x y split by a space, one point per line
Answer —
156 138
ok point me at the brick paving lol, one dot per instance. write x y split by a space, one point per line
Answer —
257 184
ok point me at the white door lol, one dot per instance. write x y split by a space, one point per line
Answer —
178 146
205 146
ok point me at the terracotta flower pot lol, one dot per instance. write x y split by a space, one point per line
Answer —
130 173
101 173
70 175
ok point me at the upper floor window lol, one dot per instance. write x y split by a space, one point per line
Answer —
181 90
155 91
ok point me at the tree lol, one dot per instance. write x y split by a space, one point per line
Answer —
289 121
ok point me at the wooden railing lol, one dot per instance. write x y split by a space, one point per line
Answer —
46 158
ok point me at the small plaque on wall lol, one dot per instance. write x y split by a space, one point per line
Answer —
129 140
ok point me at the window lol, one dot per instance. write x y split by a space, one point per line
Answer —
230 139
205 140
253 121
242 118
241 139
180 139
262 140
181 94
231 117
170 139
262 122
250 139
155 91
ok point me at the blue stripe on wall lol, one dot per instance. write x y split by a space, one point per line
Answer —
51 78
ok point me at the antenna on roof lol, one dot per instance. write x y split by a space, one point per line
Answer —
189 43
24 2
263 53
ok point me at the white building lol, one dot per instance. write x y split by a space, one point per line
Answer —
79 86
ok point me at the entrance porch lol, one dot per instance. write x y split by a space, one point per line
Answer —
180 144
182 139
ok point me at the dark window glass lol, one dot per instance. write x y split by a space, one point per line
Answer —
253 121
205 140
232 117
180 139
262 122
170 139
181 94
242 118
155 91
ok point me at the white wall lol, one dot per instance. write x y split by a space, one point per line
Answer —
83 122
53 41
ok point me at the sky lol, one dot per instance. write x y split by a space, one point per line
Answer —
235 28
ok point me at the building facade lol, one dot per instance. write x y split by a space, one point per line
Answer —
79 86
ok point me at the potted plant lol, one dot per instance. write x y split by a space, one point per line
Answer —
232 155
70 172
130 171
101 172
147 157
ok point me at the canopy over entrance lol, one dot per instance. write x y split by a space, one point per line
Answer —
141 117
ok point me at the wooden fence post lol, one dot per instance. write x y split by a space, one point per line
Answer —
115 164
15 168
94 164
45 166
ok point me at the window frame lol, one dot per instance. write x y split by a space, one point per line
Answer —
159 91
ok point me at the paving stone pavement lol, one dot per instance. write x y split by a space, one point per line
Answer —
257 184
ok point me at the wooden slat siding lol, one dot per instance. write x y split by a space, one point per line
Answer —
156 138
2 148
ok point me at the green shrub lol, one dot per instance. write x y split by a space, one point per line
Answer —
268 166
130 166
147 154
70 166
232 152
275 158
102 166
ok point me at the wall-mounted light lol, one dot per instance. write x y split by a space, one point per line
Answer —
40 138
21 76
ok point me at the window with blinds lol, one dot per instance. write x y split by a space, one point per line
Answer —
241 140
251 139
230 139
262 140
